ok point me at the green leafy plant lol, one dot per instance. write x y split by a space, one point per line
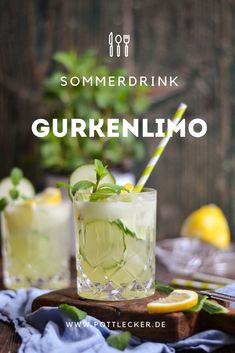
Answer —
66 153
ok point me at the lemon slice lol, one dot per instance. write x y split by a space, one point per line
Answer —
50 196
178 300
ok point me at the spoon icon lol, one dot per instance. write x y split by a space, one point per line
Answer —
118 40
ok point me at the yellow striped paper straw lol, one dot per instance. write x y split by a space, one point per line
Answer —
205 277
158 152
194 284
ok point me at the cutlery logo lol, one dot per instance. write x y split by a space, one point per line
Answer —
117 42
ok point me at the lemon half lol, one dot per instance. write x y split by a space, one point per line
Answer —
209 224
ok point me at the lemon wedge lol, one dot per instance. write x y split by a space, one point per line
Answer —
178 300
209 224
50 196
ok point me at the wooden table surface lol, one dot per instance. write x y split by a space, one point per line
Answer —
10 341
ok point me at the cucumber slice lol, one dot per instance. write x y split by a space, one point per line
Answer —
25 187
102 244
87 172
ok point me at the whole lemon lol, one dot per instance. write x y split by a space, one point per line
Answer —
209 224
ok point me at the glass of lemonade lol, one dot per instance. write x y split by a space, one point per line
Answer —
115 240
34 242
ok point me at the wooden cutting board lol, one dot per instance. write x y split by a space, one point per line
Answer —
159 327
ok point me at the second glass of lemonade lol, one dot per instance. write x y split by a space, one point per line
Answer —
115 240
35 244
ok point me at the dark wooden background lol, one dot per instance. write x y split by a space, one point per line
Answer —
193 39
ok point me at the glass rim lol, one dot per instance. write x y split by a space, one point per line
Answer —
35 206
145 191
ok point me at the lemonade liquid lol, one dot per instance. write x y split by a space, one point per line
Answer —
35 245
115 246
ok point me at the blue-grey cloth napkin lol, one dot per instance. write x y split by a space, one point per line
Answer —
46 330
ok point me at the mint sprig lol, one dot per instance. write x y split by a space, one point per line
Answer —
105 190
16 175
96 190
119 341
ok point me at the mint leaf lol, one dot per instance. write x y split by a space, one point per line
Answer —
112 187
73 312
199 306
3 204
101 171
119 341
105 190
16 175
213 307
82 185
99 168
163 288
61 184
14 193
105 172
123 228
100 195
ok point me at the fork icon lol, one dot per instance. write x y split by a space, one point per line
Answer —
126 41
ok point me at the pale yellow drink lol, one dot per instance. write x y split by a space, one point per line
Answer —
35 244
115 241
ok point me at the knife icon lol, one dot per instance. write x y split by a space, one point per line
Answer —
111 44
